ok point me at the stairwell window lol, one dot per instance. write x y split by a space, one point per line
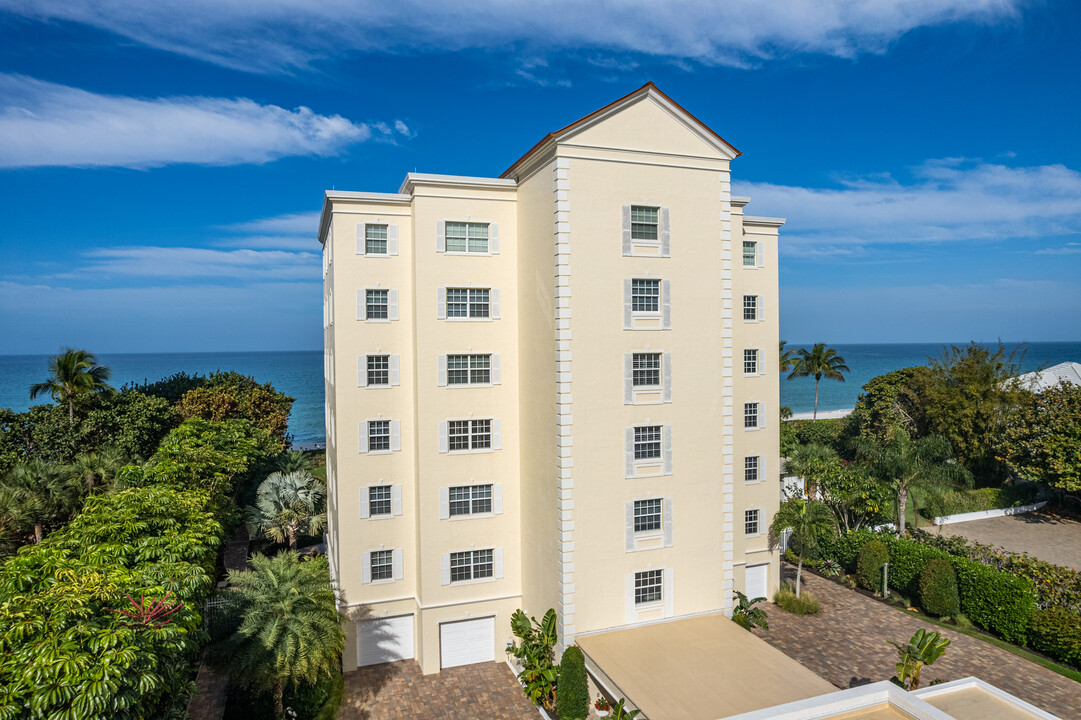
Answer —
467 237
648 587
644 223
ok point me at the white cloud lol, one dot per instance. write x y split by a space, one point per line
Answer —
1067 249
283 35
43 124
292 231
189 262
947 200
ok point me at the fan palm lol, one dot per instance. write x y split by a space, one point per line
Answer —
34 493
288 629
909 465
73 374
809 520
293 461
818 362
97 469
287 504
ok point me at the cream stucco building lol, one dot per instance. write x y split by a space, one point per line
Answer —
555 388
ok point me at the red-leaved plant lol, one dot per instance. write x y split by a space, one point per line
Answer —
150 612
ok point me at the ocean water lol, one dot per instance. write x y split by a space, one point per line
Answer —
300 374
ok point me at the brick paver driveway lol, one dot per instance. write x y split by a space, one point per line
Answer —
398 691
847 643
1048 537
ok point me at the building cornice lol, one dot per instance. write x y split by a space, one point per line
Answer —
413 180
764 221
330 196
740 200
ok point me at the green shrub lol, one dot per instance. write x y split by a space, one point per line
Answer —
956 502
805 604
820 432
808 562
938 589
907 561
872 557
995 600
572 697
1056 632
846 549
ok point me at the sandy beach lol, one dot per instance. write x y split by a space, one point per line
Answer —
823 414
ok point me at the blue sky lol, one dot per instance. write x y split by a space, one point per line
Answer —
162 165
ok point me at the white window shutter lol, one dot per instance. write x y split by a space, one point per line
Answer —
441 304
627 230
497 434
392 304
443 442
666 370
362 371
497 498
760 253
396 556
395 370
493 238
366 568
497 562
360 304
629 593
395 435
497 369
395 499
761 415
441 241
444 503
666 234
494 310
667 452
363 440
628 317
392 239
441 371
629 451
444 563
630 526
365 509
667 503
762 468
628 378
361 239
761 305
669 601
666 304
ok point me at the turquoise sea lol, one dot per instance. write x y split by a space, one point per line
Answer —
300 374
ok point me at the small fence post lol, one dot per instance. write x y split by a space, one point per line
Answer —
885 580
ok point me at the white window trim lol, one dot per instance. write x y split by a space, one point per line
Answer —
495 371
761 522
395 433
761 467
757 308
393 370
666 603
663 313
631 392
758 249
759 417
396 566
362 240
362 305
635 464
632 245
493 237
444 502
366 502
757 362
497 436
494 303
497 563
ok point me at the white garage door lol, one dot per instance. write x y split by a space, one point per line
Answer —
466 642
384 640
757 581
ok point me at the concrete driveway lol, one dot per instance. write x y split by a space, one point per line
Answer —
1048 537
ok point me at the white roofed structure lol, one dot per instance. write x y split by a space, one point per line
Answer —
1043 379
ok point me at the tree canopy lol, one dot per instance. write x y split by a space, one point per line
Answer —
1043 441
73 374
818 362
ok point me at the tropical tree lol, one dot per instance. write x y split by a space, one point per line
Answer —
293 461
746 615
288 629
921 466
818 362
1041 444
286 505
786 355
35 493
812 462
73 374
922 649
535 648
94 470
809 521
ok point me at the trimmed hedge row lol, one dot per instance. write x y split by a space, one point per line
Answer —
956 502
1057 632
572 699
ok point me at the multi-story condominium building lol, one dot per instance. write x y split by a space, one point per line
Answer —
557 388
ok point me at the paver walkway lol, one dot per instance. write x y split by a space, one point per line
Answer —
847 643
211 693
1048 537
398 691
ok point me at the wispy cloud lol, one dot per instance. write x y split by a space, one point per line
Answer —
293 231
1067 249
188 262
286 35
46 124
947 200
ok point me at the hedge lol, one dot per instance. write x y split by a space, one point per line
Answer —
955 502
873 555
938 589
828 432
572 698
1057 632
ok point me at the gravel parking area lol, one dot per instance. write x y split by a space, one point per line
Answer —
1048 537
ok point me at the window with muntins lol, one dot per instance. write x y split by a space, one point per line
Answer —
750 415
382 565
750 362
378 435
468 303
645 295
470 500
647 586
471 565
469 369
750 522
375 239
376 304
647 442
379 369
750 253
750 307
379 500
467 237
644 223
469 434
647 515
646 370
750 468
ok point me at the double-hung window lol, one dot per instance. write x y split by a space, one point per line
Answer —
750 253
469 434
467 237
750 522
646 370
645 295
469 369
379 500
644 223
647 515
376 304
648 587
375 239
750 415
468 302
750 469
470 500
471 565
750 307
379 370
382 565
750 362
647 442
378 435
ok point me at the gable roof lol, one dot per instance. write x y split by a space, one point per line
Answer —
648 89
1043 379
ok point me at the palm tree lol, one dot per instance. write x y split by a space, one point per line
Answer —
921 466
786 356
287 504
293 461
97 469
809 520
819 362
34 493
288 628
809 462
73 374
